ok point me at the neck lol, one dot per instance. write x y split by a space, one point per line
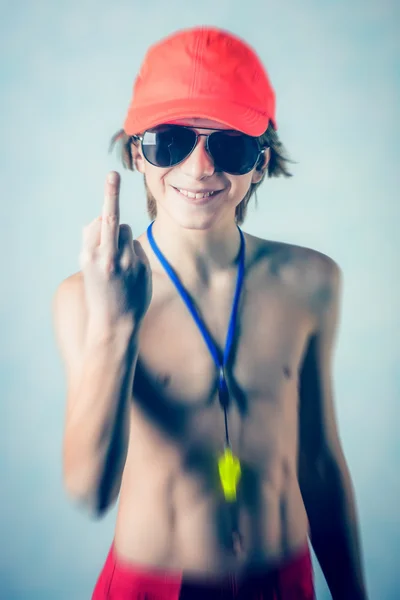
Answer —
198 253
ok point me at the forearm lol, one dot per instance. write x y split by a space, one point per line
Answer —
330 504
97 425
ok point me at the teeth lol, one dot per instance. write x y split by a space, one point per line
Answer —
197 196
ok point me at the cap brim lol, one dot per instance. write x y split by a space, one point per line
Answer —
230 114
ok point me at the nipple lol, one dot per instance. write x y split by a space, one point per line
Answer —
229 473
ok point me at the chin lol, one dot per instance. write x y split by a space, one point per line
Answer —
195 222
187 217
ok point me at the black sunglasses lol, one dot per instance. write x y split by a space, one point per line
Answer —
231 151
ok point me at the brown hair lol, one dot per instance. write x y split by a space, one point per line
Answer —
277 166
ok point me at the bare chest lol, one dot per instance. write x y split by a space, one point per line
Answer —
176 382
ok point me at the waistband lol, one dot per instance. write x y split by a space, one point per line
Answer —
291 579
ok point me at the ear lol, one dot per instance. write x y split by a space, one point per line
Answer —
138 159
261 166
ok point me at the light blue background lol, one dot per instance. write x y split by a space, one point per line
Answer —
67 70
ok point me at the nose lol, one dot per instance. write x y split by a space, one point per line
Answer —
199 163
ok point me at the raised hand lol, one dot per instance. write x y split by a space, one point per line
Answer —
117 276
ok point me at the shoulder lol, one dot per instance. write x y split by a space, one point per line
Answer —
310 273
315 268
71 285
69 294
70 317
282 256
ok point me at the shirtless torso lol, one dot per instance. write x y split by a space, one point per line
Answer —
171 513
143 421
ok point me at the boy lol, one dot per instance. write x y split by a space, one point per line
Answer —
198 358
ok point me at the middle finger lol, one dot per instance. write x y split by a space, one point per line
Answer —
110 220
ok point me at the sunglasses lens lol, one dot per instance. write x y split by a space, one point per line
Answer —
233 152
167 145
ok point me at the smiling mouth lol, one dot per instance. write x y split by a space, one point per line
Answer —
197 195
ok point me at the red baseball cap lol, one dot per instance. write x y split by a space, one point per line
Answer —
202 72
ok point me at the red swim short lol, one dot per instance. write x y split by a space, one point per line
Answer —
292 580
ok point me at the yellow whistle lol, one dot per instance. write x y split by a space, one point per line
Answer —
229 473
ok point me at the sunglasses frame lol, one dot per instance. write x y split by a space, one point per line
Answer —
261 149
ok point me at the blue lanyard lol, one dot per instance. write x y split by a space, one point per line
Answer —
219 361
